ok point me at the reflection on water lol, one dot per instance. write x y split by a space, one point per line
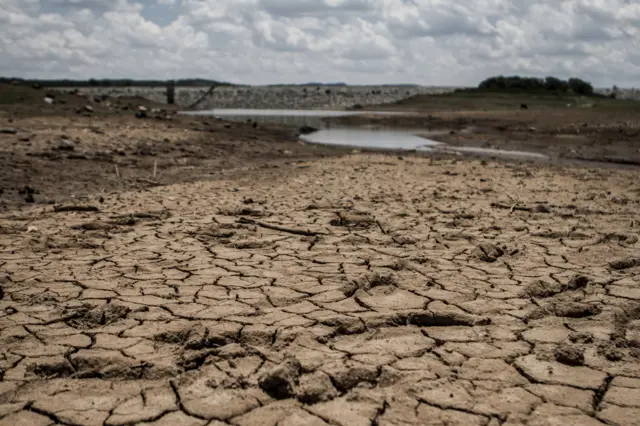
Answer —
403 140
383 139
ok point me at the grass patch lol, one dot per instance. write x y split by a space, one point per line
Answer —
15 94
491 100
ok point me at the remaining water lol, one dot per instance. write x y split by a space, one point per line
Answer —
494 152
355 137
381 139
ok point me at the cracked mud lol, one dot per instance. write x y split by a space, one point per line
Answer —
364 290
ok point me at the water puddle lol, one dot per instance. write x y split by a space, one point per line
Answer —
360 137
491 152
379 139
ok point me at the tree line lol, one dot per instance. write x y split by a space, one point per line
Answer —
552 84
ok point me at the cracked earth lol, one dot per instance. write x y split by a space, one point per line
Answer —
364 290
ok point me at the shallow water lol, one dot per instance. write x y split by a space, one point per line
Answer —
495 152
360 137
381 139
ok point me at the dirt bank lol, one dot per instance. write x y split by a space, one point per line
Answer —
79 146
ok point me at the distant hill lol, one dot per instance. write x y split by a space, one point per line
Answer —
124 82
312 83
340 84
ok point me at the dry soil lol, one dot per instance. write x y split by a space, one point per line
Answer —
348 290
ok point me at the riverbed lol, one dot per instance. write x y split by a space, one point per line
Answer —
319 129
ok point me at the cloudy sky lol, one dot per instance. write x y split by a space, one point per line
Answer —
431 42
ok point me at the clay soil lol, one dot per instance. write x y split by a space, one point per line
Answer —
257 281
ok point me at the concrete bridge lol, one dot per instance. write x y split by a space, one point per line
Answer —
290 97
277 97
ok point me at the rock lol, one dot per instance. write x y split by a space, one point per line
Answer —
488 252
141 112
49 100
541 208
626 263
27 190
577 281
65 145
28 193
576 310
281 381
315 388
8 131
581 337
88 108
569 355
610 351
305 130
542 289
54 367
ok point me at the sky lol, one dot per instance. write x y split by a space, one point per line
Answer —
428 42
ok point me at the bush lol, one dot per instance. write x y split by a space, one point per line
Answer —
551 84
580 87
555 84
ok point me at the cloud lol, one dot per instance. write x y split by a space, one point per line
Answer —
433 42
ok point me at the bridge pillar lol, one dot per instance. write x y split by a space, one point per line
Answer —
171 92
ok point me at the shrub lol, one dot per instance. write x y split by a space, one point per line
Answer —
551 84
580 87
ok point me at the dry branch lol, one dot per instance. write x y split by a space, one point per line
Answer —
280 228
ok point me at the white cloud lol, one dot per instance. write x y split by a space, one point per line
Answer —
359 41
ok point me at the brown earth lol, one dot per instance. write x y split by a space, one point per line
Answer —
356 289
61 151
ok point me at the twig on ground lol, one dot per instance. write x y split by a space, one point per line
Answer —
280 228
380 226
511 208
515 200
